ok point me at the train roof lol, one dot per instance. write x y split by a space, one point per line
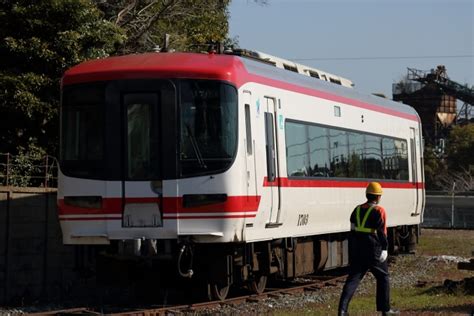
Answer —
295 67
154 65
238 70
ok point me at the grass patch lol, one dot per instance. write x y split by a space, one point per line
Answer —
434 299
438 296
446 242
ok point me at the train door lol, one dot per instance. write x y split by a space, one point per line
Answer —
143 168
141 202
272 160
414 168
249 147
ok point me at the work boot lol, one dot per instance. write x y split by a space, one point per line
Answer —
342 313
391 312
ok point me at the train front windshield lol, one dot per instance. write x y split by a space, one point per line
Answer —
135 129
208 117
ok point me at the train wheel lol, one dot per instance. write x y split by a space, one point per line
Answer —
217 292
258 285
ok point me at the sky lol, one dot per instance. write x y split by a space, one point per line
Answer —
371 42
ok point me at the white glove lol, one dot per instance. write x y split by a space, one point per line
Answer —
383 256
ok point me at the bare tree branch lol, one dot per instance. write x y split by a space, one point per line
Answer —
188 22
124 12
166 6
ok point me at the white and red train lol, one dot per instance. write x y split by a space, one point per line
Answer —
250 168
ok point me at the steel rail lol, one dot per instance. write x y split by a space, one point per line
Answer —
316 283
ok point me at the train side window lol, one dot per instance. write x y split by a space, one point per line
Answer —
402 158
356 155
297 160
373 156
248 129
270 147
319 152
414 177
339 151
390 167
395 159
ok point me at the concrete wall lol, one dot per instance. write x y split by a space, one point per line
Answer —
33 262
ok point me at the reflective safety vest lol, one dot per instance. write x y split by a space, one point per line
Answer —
360 227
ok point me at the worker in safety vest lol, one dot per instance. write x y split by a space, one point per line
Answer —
368 251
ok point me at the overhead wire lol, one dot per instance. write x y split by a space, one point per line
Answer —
381 57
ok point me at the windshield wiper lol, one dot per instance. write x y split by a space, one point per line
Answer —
196 149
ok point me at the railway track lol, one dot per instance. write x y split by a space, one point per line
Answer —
311 283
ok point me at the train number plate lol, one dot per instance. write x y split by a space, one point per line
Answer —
303 219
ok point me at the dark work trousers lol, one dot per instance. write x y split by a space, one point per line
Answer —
357 271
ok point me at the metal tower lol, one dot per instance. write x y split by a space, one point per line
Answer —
440 78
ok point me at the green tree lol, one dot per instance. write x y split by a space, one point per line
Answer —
455 168
39 41
434 168
460 148
42 39
190 23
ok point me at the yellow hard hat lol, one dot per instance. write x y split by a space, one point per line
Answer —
374 188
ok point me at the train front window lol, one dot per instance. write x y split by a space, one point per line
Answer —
82 137
208 123
143 141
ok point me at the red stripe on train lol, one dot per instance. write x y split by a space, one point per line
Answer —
325 95
62 218
319 183
209 216
170 205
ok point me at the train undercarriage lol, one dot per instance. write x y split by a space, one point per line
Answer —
219 267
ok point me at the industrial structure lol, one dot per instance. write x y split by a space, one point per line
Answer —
435 96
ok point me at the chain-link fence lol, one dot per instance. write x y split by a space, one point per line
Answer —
28 171
449 210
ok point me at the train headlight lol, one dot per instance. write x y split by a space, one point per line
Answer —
195 200
84 201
